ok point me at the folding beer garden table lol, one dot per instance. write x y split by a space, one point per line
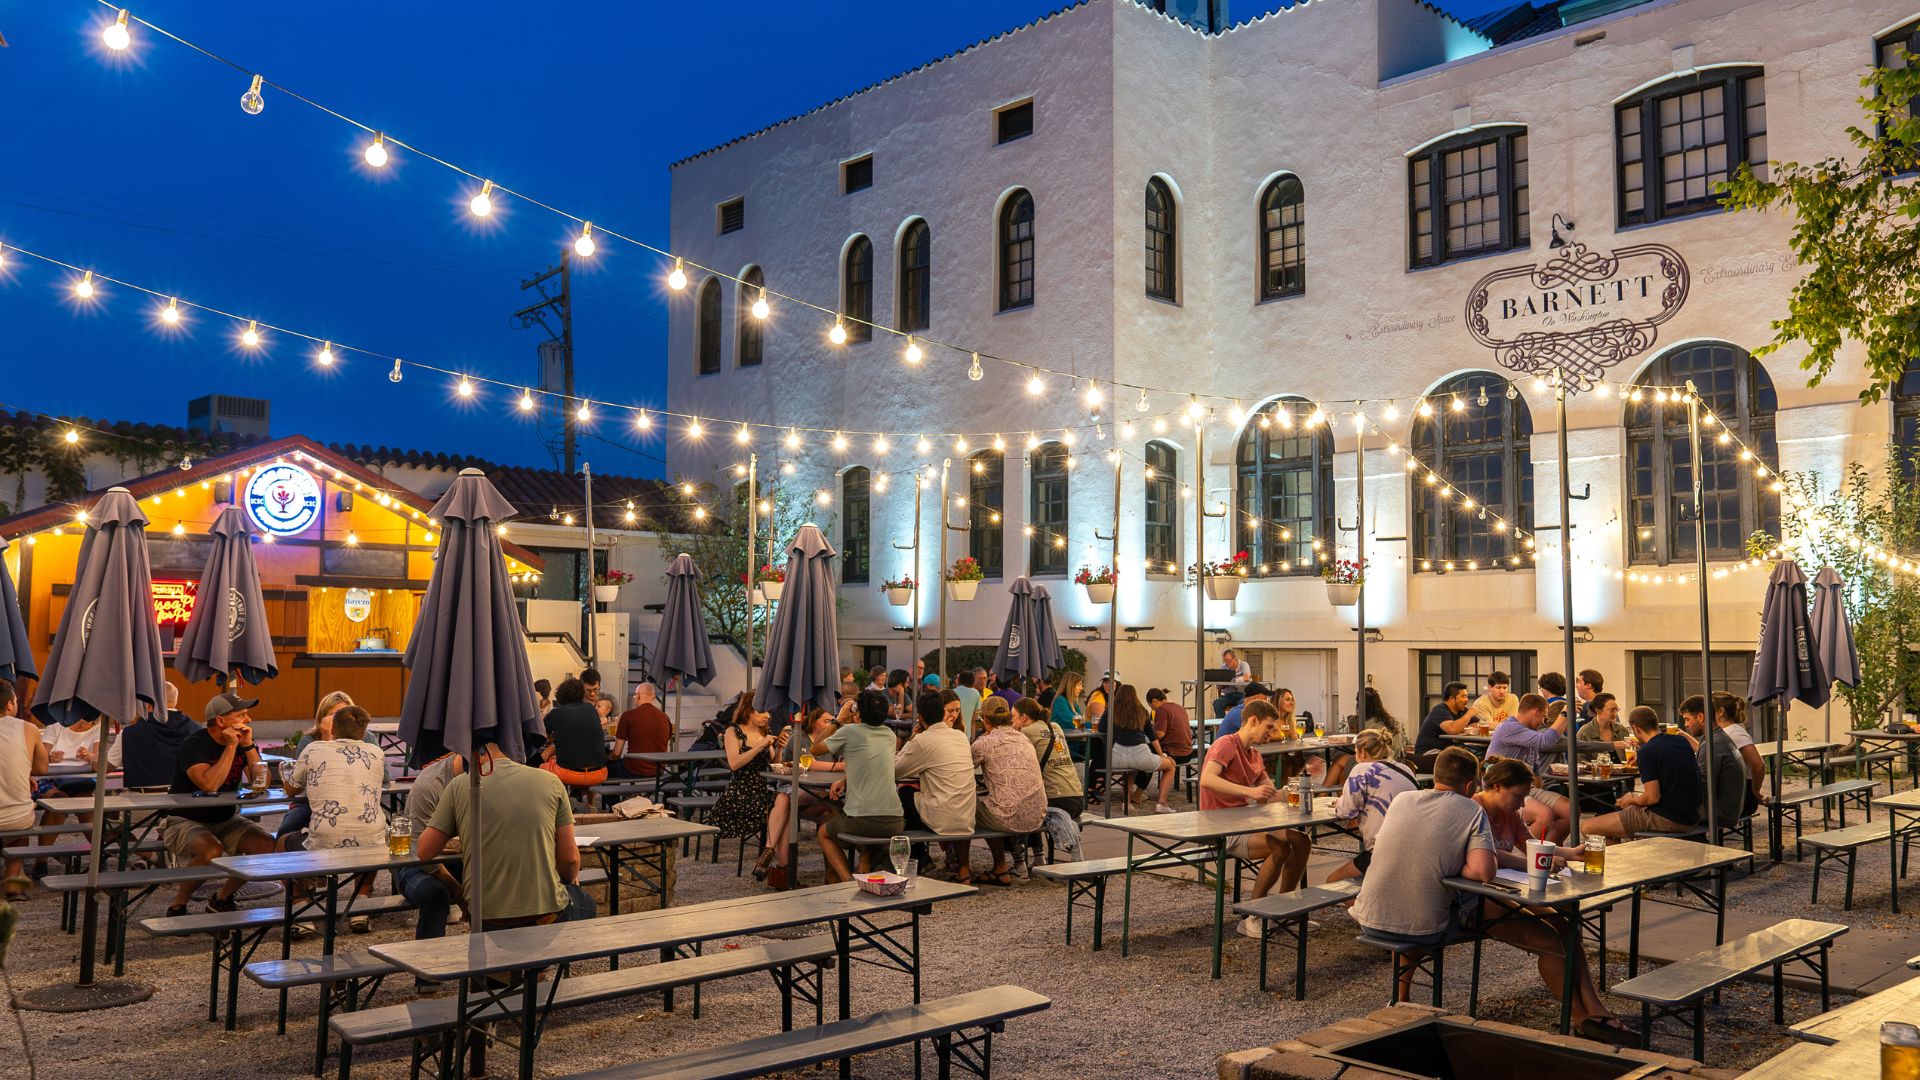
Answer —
1903 822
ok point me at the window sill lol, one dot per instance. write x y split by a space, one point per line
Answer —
1711 211
1167 300
1278 298
1477 256
1017 309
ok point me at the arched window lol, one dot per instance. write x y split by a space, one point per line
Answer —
1161 252
1681 137
753 331
1468 195
1482 450
856 549
1285 488
1735 502
1906 419
1163 506
856 289
706 334
1016 252
986 500
916 277
1047 510
1283 239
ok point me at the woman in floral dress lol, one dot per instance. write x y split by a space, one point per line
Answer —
750 747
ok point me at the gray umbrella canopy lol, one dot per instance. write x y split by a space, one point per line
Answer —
682 647
227 632
1832 632
1018 655
803 666
1786 666
16 659
105 659
468 682
1046 639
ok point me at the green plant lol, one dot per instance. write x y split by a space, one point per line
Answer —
720 551
1762 546
966 568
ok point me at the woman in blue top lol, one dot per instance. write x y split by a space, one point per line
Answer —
1066 712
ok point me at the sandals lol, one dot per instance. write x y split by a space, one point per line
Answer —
998 878
1608 1029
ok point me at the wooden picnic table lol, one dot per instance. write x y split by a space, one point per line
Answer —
1843 1044
1903 816
636 851
1631 867
1907 741
336 867
1587 746
679 766
523 951
1164 835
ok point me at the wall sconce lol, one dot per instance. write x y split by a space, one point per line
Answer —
1221 635
1092 632
1582 634
1134 632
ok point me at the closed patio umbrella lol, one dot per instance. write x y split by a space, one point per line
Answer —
802 654
104 664
1046 638
1786 667
16 658
1832 630
468 681
682 650
227 634
1018 655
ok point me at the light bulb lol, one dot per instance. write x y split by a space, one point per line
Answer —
251 102
642 421
526 401
171 313
793 438
1425 410
694 430
1392 412
1194 408
84 287
465 389
921 444
677 277
973 370
1314 417
743 435
179 529
482 204
376 151
116 36
395 375
326 357
839 442
1457 405
999 443
1094 396
583 414
251 336
760 308
1141 405
913 353
584 246
960 444
880 444
73 436
1513 392
838 335
1482 400
1035 386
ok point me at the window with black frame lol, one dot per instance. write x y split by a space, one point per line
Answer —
1891 50
1283 239
1906 419
986 501
1016 252
1284 487
856 289
1438 667
1047 510
1736 501
1161 252
753 329
1663 679
916 277
1163 507
1483 449
706 343
1681 137
1468 195
856 528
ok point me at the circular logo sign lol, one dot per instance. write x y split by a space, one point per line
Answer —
236 614
283 499
359 605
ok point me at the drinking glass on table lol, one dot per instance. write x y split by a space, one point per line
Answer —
899 849
806 759
399 835
257 777
1295 788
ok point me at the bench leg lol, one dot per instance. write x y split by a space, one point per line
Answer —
1099 909
1646 1026
346 1061
1848 906
1473 986
1699 1029
1779 988
1439 971
1299 960
1824 1005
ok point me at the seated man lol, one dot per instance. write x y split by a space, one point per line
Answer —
532 866
1527 737
1016 797
1066 797
1236 715
1234 776
643 729
213 760
146 751
1496 704
1450 717
432 888
872 806
1730 779
1429 836
1670 790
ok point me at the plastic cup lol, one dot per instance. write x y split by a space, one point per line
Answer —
1539 863
912 872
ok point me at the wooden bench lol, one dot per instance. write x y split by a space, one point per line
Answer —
1842 846
1086 881
126 890
1285 914
1413 960
430 1022
946 1021
347 981
1841 792
694 808
1680 989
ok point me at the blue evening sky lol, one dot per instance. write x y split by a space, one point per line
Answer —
142 166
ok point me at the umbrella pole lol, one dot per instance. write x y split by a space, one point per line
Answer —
793 803
97 831
1776 831
1706 639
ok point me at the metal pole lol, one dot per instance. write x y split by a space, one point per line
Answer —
569 428
753 550
913 575
941 659
593 623
1566 615
1360 552
1199 580
1700 571
1113 561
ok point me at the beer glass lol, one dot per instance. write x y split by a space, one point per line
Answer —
400 835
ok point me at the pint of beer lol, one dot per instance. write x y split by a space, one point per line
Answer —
1899 1051
1596 854
399 835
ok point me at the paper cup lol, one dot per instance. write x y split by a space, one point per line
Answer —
1539 862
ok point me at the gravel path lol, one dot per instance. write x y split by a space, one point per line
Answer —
1152 1014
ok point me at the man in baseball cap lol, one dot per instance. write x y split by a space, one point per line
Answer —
1255 691
229 703
214 761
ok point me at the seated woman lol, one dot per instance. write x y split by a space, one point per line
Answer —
940 759
1136 748
1504 788
576 749
814 806
341 778
22 757
1371 786
750 746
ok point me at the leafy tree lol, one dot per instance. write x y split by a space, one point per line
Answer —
720 552
1857 231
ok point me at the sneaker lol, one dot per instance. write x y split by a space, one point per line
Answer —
1163 808
217 904
1251 927
174 911
304 930
360 924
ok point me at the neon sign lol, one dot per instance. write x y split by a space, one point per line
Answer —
282 499
173 601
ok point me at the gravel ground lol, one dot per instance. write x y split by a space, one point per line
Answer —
1154 1013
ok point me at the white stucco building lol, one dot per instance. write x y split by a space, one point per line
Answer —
1014 197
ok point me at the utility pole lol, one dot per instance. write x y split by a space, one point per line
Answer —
557 306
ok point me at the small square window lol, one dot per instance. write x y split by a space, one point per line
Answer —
856 175
1015 122
733 215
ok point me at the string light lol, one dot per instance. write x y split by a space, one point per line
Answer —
583 414
838 335
395 375
1425 410
325 358
116 35
792 441
880 445
839 442
642 421
1392 412
677 277
913 353
84 287
73 436
743 435
1035 387
584 245
251 338
465 389
526 401
251 102
482 204
1094 396
376 152
760 308
171 313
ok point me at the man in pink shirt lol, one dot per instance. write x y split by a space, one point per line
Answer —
1235 776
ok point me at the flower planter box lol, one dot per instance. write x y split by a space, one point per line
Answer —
771 589
1100 594
1223 586
1342 595
755 597
606 594
962 590
899 597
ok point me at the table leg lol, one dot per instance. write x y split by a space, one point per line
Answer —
843 946
1126 901
916 958
610 861
1219 898
1570 950
1893 858
1633 938
332 907
529 985
1720 906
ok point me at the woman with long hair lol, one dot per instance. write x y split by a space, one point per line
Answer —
1374 718
1069 707
750 746
1135 746
771 867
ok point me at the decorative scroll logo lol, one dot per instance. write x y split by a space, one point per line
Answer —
173 602
236 614
1013 640
1580 313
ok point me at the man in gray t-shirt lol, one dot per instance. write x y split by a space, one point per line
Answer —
1429 836
433 888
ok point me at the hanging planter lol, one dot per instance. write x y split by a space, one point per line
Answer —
963 578
1099 582
899 593
1223 586
1343 577
1342 595
756 598
962 590
1222 578
772 589
606 587
606 594
770 580
1100 594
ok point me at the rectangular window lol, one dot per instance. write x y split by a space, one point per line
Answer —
856 175
1891 53
986 499
1163 514
856 532
1046 549
1662 680
1438 667
1679 141
1468 196
1014 122
733 215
